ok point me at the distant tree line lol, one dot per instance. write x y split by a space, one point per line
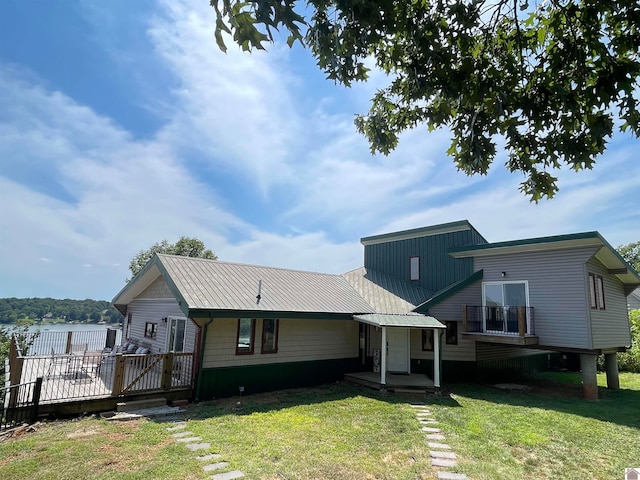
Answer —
51 309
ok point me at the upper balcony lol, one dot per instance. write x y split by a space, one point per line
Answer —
512 325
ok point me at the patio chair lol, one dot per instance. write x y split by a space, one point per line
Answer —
55 360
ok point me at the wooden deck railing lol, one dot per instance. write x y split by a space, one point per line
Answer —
84 375
507 320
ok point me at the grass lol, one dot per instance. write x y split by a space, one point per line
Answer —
344 432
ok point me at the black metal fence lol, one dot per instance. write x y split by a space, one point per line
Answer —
506 320
19 404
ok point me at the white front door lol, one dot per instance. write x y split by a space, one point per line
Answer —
398 350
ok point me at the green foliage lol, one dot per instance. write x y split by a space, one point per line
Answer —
186 247
629 361
14 309
631 253
547 79
24 338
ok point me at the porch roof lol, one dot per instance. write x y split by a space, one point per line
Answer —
394 320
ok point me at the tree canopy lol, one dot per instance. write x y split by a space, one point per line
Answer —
546 79
631 253
186 247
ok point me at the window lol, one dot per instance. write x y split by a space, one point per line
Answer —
452 333
150 330
269 335
427 340
246 334
596 291
501 301
414 267
127 327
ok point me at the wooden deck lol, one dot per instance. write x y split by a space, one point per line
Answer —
395 382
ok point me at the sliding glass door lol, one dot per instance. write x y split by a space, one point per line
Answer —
501 301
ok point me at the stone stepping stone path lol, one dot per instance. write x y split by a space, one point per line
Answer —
440 453
180 434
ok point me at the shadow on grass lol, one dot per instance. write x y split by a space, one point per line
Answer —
621 407
282 399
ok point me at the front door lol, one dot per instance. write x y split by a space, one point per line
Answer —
398 350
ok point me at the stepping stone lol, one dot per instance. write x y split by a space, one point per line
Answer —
435 436
447 455
438 446
198 446
417 405
442 462
430 429
427 420
206 458
215 466
452 476
180 426
181 434
188 439
232 475
423 414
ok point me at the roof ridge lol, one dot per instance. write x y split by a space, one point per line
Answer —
224 262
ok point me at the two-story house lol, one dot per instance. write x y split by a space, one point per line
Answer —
438 301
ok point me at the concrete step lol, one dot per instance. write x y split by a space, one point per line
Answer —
141 404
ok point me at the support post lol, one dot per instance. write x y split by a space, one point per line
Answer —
167 371
436 358
589 376
118 375
68 346
522 321
611 366
383 359
37 390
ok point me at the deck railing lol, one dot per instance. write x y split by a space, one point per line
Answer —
46 343
19 404
498 320
83 374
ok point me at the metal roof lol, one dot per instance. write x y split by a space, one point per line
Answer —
407 321
386 294
449 291
201 284
419 232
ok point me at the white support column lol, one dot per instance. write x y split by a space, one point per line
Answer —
383 359
436 358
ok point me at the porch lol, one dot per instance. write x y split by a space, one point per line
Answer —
395 382
73 374
509 325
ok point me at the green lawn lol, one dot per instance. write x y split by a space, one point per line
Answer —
345 432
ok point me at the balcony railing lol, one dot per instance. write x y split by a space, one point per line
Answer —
507 320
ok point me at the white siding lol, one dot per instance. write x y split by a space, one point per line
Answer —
158 289
610 327
557 291
465 351
485 351
298 341
154 310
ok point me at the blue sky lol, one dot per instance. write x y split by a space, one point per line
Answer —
122 124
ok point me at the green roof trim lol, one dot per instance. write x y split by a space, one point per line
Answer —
442 228
526 241
449 291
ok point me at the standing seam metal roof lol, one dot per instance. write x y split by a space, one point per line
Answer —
211 284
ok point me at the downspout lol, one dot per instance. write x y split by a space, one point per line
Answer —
203 341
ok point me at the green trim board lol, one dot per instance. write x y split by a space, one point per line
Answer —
419 232
449 291
226 381
197 314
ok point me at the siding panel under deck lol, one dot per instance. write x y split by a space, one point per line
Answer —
298 341
610 327
154 310
557 291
